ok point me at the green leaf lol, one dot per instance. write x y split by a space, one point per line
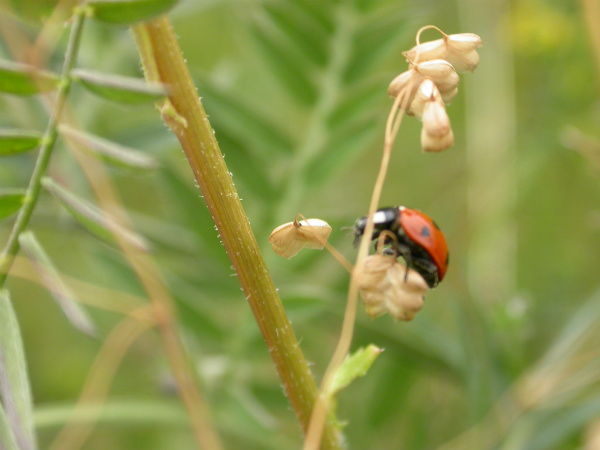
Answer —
345 145
54 283
307 36
121 412
552 429
373 43
247 169
246 122
18 141
11 201
321 13
289 69
14 382
23 79
109 151
580 328
125 12
91 217
354 366
7 437
366 100
118 88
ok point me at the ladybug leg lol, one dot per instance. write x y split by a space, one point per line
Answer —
428 271
389 251
404 251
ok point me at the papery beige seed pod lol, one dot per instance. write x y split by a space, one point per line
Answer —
439 71
433 144
401 82
426 93
458 49
436 134
288 239
387 287
448 96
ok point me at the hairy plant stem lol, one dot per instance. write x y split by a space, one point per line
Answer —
185 115
12 246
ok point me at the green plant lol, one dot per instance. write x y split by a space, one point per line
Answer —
294 91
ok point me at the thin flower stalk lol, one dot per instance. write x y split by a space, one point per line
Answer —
322 406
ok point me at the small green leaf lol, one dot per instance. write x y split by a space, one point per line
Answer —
11 201
14 382
109 151
54 283
354 366
18 141
118 88
125 12
23 79
91 217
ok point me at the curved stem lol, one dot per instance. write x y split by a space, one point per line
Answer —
12 246
321 408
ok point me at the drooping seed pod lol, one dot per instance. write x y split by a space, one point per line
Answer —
401 82
428 105
426 93
386 286
436 134
288 239
458 49
439 71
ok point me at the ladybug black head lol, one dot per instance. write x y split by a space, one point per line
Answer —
384 219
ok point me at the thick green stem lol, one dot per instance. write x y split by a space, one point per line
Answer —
184 113
12 246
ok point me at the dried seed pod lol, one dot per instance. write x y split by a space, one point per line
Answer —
439 71
386 286
458 49
401 82
432 144
448 96
436 134
426 93
289 238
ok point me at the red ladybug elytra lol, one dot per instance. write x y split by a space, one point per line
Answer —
420 241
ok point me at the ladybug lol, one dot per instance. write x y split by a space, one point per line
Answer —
420 241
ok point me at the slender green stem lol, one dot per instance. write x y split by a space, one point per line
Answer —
184 113
12 246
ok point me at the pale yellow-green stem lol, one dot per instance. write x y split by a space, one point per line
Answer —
320 412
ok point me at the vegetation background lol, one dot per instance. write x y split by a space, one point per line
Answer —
506 347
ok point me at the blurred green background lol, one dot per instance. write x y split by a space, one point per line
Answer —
505 353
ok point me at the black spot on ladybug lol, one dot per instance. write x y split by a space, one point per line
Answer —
425 231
